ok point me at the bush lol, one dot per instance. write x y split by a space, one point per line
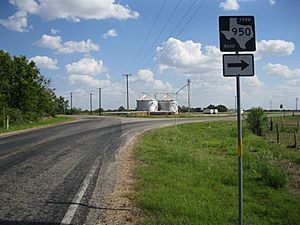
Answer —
257 121
273 175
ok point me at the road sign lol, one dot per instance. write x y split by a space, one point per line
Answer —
237 33
238 65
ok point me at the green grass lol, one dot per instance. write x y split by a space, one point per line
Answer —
38 123
188 176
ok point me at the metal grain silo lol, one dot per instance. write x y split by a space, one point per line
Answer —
168 104
147 103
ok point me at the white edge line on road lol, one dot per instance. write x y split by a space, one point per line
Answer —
80 193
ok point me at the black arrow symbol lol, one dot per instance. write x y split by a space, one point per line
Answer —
243 64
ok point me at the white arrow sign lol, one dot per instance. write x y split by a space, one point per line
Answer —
238 65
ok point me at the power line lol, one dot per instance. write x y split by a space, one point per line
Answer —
190 19
148 35
178 24
182 18
161 31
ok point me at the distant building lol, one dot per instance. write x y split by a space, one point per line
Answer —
210 111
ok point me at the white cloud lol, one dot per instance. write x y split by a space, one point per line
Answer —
145 75
145 78
16 22
281 70
272 2
55 43
47 41
29 6
274 47
87 72
110 33
54 31
229 5
188 57
45 62
75 10
87 67
78 46
88 80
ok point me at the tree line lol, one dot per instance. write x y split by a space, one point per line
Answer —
25 94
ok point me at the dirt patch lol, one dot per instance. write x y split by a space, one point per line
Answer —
120 200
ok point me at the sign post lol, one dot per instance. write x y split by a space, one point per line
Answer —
237 33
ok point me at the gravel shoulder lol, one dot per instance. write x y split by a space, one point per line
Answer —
121 208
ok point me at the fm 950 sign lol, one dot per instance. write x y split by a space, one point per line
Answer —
237 33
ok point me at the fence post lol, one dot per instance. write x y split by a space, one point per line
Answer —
277 132
295 139
271 124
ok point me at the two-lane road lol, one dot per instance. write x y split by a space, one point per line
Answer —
48 176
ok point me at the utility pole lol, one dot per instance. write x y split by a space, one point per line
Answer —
296 104
91 107
270 105
71 102
99 101
189 95
127 78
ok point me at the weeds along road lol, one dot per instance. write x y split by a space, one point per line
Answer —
61 174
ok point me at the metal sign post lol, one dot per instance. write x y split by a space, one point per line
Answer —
240 153
237 33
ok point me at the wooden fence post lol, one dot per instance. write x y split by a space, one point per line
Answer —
277 132
271 124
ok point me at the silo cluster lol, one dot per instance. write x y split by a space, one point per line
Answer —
167 104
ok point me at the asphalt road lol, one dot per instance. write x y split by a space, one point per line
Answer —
50 175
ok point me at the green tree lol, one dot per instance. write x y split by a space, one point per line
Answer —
211 106
121 109
24 90
221 108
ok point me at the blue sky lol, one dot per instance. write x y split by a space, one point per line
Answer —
83 45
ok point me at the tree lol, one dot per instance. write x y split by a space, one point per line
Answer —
221 108
121 109
24 90
182 109
211 107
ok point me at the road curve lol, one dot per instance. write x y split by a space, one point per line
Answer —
48 176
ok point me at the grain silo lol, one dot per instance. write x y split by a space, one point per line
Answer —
168 104
147 103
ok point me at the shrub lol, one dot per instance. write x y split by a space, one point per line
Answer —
257 121
273 175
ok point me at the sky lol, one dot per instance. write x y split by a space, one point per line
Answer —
84 45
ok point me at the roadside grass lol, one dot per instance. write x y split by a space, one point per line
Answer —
38 123
188 175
